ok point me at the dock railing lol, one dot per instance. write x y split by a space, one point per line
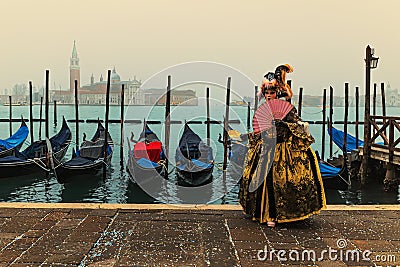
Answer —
381 124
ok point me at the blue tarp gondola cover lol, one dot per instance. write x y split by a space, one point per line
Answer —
16 139
327 170
338 137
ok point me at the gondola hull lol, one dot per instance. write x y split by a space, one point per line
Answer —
68 172
137 171
8 152
144 161
28 167
333 177
23 168
193 179
193 159
88 160
334 182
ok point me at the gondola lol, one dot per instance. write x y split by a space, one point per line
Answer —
88 160
238 147
351 141
9 146
333 177
237 144
33 159
193 159
147 158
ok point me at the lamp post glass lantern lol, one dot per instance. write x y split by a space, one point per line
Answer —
373 62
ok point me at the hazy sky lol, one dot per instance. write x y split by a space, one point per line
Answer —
323 40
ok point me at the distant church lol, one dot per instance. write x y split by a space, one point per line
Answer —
392 96
93 93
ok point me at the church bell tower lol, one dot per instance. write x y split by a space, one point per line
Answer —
74 70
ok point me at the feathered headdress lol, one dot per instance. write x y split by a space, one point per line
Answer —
277 81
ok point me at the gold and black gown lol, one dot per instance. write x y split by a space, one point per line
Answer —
292 189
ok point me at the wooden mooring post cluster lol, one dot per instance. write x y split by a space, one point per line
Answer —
372 158
371 151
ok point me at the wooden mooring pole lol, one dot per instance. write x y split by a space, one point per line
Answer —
31 111
346 117
383 103
367 124
374 105
226 120
255 98
106 123
55 112
346 162
289 82
208 115
40 118
10 104
167 123
46 107
248 116
300 101
323 124
357 115
330 121
121 150
76 116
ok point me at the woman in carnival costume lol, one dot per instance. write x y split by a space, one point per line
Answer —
292 188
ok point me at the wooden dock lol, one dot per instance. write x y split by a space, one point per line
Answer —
388 129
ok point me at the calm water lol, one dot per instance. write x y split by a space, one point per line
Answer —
116 187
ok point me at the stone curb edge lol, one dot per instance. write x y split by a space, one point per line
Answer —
28 205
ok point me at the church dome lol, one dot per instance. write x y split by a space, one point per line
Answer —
115 76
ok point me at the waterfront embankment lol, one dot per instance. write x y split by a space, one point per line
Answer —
38 234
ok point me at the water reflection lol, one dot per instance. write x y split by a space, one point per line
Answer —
117 188
372 193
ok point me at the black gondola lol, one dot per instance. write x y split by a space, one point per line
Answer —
333 177
193 159
88 160
33 159
238 147
147 157
9 146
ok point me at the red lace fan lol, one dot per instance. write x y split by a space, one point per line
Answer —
267 112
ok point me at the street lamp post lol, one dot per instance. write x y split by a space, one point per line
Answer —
371 62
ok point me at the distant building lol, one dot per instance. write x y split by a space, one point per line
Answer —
20 99
74 71
178 97
392 97
94 93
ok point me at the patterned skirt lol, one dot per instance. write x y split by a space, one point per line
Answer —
290 190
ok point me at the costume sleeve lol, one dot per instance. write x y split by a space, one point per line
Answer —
292 116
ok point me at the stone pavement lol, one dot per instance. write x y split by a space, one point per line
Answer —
161 235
